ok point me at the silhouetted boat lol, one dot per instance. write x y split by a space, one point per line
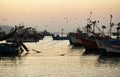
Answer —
9 49
57 37
25 35
109 45
6 36
74 37
102 42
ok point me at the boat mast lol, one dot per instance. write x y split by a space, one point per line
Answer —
94 24
89 24
111 25
118 31
62 31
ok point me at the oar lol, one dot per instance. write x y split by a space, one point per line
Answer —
36 51
23 45
62 54
21 50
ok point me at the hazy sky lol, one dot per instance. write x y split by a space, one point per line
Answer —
55 14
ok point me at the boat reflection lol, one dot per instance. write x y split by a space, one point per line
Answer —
10 61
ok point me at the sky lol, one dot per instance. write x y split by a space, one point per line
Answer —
53 15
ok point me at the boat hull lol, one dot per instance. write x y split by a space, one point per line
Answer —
74 40
89 44
60 37
9 49
111 45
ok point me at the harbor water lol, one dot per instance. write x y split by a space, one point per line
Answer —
59 59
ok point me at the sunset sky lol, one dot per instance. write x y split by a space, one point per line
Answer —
56 14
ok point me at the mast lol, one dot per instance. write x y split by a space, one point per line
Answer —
111 25
118 31
62 31
94 23
89 23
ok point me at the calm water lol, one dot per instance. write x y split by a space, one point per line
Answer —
59 59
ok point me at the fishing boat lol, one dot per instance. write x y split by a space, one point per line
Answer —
90 40
12 49
9 49
74 38
106 43
23 34
58 37
5 48
111 45
6 36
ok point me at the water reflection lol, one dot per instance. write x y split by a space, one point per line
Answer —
10 61
73 49
111 59
91 52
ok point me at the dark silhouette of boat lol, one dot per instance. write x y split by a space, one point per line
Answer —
111 44
74 37
57 37
6 36
101 42
5 48
11 49
23 34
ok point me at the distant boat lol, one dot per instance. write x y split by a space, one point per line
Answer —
46 33
57 37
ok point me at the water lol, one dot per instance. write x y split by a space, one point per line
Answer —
58 59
